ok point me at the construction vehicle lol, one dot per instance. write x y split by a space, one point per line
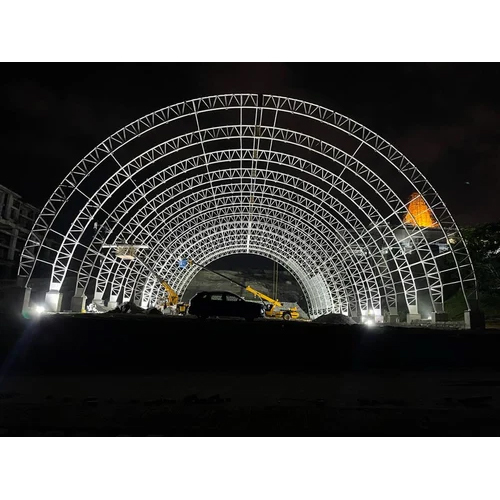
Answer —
171 303
273 308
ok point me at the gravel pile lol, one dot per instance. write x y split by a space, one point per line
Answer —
335 319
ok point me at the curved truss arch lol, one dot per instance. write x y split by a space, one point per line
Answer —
141 216
366 231
284 235
201 214
208 241
375 182
306 236
167 198
169 256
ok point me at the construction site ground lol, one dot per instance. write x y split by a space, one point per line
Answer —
126 374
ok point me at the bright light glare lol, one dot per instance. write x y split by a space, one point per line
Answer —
39 309
369 322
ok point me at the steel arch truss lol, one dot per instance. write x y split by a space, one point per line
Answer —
286 179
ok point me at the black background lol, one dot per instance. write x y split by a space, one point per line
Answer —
445 117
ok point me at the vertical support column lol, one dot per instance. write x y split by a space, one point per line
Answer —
363 315
113 302
78 301
353 311
474 317
21 296
371 316
377 315
439 314
97 300
413 314
392 316
2 202
8 206
53 301
13 242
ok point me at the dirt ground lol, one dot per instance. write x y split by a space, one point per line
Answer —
126 375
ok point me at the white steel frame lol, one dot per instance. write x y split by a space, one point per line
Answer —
250 183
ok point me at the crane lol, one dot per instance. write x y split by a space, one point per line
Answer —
172 298
274 308
129 252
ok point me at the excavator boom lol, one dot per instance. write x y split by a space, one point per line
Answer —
173 298
261 295
128 251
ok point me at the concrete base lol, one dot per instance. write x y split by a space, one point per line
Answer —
78 303
411 317
53 301
112 304
474 320
392 318
439 316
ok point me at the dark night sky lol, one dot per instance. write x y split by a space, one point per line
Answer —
445 117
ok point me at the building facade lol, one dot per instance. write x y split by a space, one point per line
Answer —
16 219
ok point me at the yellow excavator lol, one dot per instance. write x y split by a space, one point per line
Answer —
172 300
274 308
127 251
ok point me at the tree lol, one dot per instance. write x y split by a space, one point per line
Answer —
483 243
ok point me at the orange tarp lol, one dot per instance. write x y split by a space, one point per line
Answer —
422 216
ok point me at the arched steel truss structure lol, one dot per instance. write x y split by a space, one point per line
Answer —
295 182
